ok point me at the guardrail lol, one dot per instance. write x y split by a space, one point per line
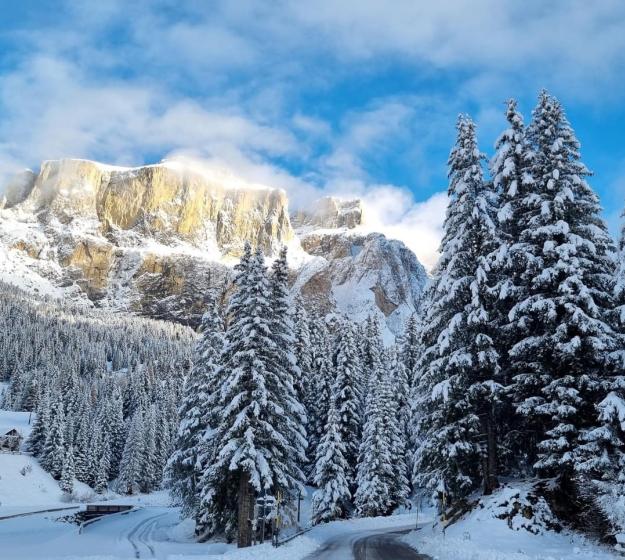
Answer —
291 537
91 521
24 514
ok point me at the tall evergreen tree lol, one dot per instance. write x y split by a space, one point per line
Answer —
150 475
347 394
409 348
304 355
131 467
37 439
331 500
53 454
563 341
375 469
288 375
371 351
101 476
67 474
191 454
458 367
393 401
81 449
319 389
601 453
257 439
512 179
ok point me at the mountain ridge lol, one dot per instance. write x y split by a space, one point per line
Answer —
152 239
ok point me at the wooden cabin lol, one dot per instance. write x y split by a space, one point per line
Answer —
11 441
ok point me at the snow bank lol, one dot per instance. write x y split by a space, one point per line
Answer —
483 535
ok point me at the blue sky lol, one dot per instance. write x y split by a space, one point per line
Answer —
350 97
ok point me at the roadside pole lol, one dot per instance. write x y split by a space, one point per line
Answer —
299 502
418 508
262 521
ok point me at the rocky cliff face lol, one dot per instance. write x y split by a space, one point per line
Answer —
153 239
359 275
330 212
162 201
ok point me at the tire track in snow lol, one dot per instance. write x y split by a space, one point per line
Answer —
140 535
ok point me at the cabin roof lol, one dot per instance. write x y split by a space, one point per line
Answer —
12 432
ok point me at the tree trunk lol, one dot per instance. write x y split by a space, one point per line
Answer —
489 459
246 505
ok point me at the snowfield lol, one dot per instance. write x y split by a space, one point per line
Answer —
24 485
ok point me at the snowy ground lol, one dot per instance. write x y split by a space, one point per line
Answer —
156 532
154 529
482 536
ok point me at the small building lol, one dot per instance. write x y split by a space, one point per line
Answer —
11 441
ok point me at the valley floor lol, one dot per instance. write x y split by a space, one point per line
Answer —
154 529
156 532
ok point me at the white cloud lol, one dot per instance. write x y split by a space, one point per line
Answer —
53 110
419 225
393 211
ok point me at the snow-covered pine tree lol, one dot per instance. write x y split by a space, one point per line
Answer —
81 448
165 428
510 169
331 500
186 465
39 434
53 454
600 454
116 429
303 354
131 466
67 474
288 375
319 390
393 395
257 439
374 470
102 474
567 283
95 451
347 394
150 475
409 348
371 352
458 365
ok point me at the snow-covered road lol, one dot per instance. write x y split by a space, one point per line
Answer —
368 545
157 532
136 531
141 533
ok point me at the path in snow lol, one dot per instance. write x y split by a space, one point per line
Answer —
135 532
368 545
141 537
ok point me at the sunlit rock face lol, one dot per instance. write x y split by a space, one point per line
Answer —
163 202
156 239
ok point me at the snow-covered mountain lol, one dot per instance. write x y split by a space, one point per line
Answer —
153 239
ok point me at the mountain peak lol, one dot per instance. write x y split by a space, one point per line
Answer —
152 240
